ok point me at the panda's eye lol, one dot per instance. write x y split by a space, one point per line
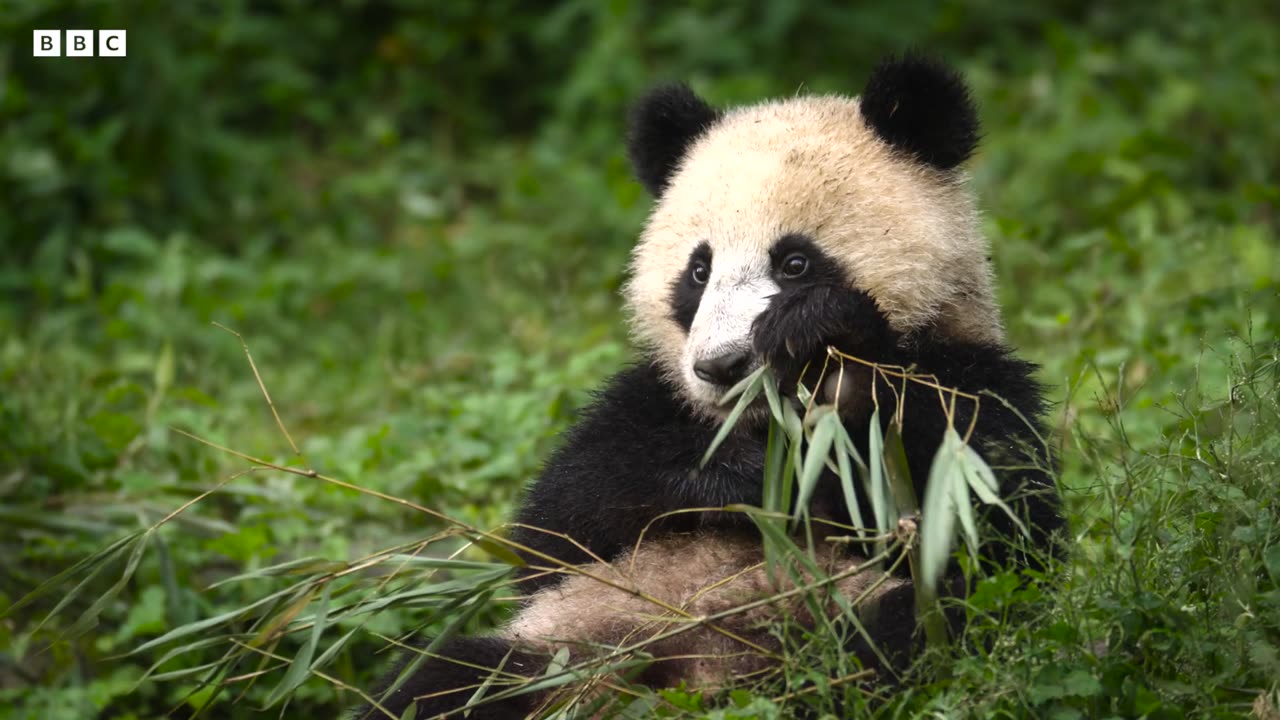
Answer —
795 265
700 273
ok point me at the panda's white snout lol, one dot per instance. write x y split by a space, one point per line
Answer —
719 350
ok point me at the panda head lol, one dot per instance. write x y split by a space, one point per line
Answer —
759 201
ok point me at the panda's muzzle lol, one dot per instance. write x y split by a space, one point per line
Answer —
725 370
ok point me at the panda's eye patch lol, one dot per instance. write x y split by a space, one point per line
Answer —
700 272
794 265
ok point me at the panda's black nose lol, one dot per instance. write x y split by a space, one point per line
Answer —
724 370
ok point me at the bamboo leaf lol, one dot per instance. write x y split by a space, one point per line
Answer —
745 384
98 561
479 694
300 668
775 457
211 622
983 482
89 617
845 471
422 594
333 649
301 566
559 662
285 617
803 394
185 672
794 427
878 486
898 473
771 394
938 517
749 387
200 644
958 486
781 541
444 563
502 552
474 604
815 458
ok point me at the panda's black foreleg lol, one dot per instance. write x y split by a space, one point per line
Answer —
634 457
444 683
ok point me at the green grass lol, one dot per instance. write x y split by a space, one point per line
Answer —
419 222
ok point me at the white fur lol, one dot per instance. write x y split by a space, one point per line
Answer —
739 290
906 233
701 576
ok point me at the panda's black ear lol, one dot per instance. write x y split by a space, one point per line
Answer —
919 105
664 123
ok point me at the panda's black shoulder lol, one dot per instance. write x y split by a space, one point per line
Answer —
635 396
613 460
634 419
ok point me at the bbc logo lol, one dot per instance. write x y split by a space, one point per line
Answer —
48 43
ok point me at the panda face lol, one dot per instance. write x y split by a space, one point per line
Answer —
866 190
719 297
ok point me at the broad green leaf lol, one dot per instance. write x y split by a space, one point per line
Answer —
878 486
815 458
898 473
938 516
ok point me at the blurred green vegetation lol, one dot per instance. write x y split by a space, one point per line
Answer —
418 215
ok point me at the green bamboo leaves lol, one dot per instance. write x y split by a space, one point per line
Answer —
800 447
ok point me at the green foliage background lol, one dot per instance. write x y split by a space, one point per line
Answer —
418 214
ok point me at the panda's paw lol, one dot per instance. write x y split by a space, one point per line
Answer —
793 335
786 341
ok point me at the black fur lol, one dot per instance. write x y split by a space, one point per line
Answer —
923 107
441 686
686 294
632 457
664 123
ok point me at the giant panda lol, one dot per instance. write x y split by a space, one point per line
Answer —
778 229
